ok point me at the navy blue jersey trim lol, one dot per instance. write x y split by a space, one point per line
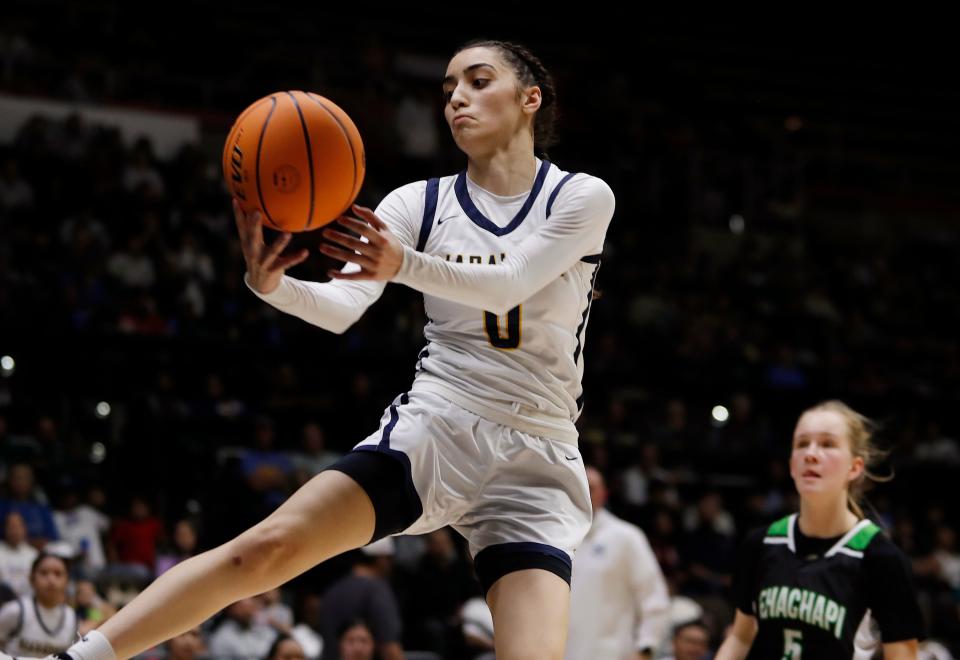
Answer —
591 258
429 212
495 561
556 191
480 220
586 314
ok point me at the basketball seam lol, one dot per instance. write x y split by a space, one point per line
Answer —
346 134
306 137
263 130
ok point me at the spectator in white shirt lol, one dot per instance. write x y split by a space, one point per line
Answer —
82 527
240 636
619 604
16 555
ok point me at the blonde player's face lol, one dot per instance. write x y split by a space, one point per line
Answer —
484 109
822 463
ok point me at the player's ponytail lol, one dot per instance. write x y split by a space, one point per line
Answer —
529 71
860 431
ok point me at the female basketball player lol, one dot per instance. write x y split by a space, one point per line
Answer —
507 254
826 583
42 623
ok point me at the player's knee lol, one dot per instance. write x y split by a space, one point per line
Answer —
263 548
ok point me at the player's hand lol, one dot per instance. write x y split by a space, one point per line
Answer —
379 257
265 265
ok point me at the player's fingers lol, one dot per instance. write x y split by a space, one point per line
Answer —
253 236
347 241
370 216
347 256
291 260
367 231
276 248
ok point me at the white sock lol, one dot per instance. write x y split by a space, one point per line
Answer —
92 646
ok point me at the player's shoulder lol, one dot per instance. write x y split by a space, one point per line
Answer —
580 183
408 191
877 547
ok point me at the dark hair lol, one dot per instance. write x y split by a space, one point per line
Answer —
281 638
353 623
694 623
529 71
48 555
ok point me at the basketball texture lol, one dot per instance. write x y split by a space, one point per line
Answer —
297 157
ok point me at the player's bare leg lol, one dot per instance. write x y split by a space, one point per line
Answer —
530 610
328 515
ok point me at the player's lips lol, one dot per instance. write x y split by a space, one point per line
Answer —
460 118
810 474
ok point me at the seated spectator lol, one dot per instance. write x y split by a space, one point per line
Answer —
133 541
313 456
266 470
691 641
355 641
364 593
184 547
44 623
21 498
16 555
82 527
285 647
187 646
91 608
239 634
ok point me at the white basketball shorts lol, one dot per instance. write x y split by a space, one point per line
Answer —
521 501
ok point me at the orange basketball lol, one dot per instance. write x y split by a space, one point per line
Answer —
297 157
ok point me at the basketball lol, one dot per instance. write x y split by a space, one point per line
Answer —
297 157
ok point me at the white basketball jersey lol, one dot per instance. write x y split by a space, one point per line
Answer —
522 368
42 631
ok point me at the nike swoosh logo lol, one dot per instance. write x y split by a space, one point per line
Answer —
452 217
570 458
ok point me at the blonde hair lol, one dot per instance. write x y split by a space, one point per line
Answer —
860 432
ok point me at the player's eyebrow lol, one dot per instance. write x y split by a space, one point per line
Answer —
450 79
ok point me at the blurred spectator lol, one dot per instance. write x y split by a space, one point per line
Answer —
41 624
184 546
83 527
364 593
239 634
477 626
15 192
285 647
21 498
313 456
267 470
91 608
619 603
186 646
691 641
132 266
436 590
133 539
16 555
355 641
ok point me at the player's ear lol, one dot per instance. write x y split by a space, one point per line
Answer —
531 98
